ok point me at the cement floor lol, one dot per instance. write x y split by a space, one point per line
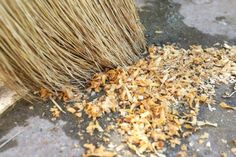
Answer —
184 22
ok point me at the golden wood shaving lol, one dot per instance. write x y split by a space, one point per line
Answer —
226 106
92 126
71 109
92 151
55 111
234 142
67 93
158 98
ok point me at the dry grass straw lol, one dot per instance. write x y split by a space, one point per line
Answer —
49 43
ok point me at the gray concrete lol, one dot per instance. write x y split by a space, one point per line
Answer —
41 138
221 137
178 22
216 17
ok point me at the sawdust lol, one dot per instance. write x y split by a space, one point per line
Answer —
158 98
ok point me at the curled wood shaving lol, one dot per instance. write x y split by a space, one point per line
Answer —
55 111
159 97
226 106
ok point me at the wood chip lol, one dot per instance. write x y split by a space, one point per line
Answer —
226 106
71 109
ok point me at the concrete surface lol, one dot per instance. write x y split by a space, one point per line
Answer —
221 137
7 98
165 21
40 140
218 16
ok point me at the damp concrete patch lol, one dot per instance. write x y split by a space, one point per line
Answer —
216 17
39 138
165 23
220 137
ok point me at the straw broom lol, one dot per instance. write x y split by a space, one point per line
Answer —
52 43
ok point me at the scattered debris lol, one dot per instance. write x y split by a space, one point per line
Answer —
44 93
227 46
56 104
78 114
224 141
226 106
67 93
204 123
55 111
191 144
233 150
149 94
203 137
227 95
223 155
158 32
9 140
92 151
234 142
31 107
119 148
211 108
158 99
184 147
71 109
208 144
181 154
92 126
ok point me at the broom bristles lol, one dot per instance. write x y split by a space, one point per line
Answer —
48 43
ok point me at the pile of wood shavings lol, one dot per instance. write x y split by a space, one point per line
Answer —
158 98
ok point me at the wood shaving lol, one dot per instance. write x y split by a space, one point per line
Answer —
92 151
44 93
229 95
223 155
71 109
206 123
233 150
94 125
158 98
205 135
79 114
226 106
234 142
119 148
181 154
55 111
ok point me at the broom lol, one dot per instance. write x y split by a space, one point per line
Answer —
52 43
